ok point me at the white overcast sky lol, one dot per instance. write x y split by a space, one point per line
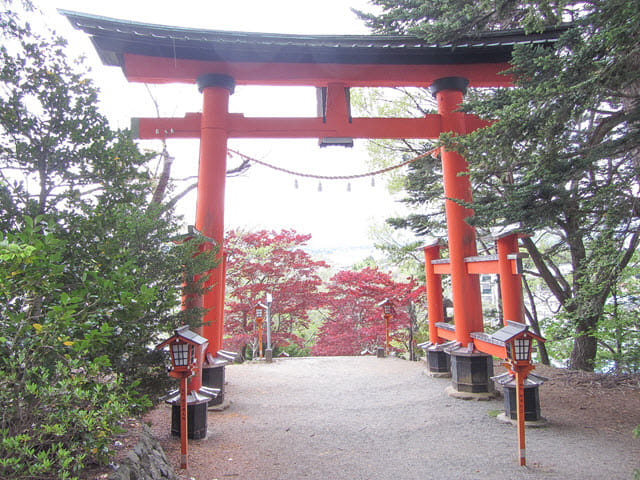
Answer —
262 198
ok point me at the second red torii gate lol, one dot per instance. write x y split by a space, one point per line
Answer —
218 61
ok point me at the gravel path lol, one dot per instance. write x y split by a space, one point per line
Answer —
354 418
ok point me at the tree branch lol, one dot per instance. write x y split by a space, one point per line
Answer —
560 293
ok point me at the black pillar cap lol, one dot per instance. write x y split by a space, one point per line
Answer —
216 80
449 83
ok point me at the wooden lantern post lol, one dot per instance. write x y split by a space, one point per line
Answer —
187 355
513 343
387 307
519 362
184 442
259 313
181 359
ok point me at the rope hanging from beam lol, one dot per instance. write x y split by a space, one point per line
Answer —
432 152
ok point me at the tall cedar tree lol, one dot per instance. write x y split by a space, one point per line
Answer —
562 159
272 262
355 324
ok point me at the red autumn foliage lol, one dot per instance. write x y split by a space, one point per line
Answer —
269 262
355 324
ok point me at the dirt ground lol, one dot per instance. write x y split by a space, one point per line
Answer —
588 414
591 400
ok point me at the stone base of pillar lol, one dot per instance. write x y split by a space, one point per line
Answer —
196 420
268 355
213 376
438 362
380 352
471 372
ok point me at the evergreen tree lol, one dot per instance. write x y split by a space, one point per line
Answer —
562 157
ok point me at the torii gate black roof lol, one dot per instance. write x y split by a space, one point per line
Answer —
113 38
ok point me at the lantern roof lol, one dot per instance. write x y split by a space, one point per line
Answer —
512 330
115 39
384 302
183 333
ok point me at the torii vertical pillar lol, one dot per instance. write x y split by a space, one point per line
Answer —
438 361
216 89
510 281
470 371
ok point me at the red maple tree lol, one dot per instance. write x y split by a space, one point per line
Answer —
272 262
355 323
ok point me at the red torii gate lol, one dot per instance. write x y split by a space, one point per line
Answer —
218 61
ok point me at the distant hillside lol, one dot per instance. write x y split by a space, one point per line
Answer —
343 258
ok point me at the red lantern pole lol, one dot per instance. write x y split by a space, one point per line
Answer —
520 396
260 337
520 371
187 349
183 423
386 326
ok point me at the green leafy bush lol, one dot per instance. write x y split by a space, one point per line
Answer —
69 370
61 404
56 421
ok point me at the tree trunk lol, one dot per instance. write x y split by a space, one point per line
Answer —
585 346
165 176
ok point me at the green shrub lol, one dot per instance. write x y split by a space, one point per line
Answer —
61 403
58 418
